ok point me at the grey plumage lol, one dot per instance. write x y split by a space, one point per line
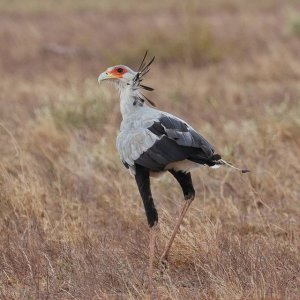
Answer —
151 141
154 139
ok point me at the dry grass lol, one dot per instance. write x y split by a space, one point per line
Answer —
71 220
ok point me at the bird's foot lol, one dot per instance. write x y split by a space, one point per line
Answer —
163 264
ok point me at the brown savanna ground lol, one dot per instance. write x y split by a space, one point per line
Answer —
72 225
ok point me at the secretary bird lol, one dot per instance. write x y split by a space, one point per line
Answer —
151 142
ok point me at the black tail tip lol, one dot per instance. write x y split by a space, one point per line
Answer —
245 171
216 157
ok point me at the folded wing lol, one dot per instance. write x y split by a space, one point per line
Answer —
175 141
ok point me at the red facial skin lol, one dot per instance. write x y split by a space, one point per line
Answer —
118 72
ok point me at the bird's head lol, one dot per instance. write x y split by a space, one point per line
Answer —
120 75
125 78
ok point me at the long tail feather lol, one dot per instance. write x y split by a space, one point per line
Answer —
224 162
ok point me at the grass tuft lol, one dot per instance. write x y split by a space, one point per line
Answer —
72 222
193 44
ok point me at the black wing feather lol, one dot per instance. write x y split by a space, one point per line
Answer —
177 142
163 152
183 134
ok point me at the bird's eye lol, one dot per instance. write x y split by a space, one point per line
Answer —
120 70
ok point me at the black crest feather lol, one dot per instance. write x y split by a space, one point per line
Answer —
143 69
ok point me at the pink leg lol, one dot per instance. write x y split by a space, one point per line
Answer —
153 233
185 207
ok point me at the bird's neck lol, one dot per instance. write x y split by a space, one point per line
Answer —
129 101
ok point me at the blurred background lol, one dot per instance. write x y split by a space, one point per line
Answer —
71 220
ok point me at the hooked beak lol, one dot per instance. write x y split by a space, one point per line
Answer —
108 75
104 76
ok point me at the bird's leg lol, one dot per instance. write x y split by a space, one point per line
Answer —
186 184
143 182
153 233
165 254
